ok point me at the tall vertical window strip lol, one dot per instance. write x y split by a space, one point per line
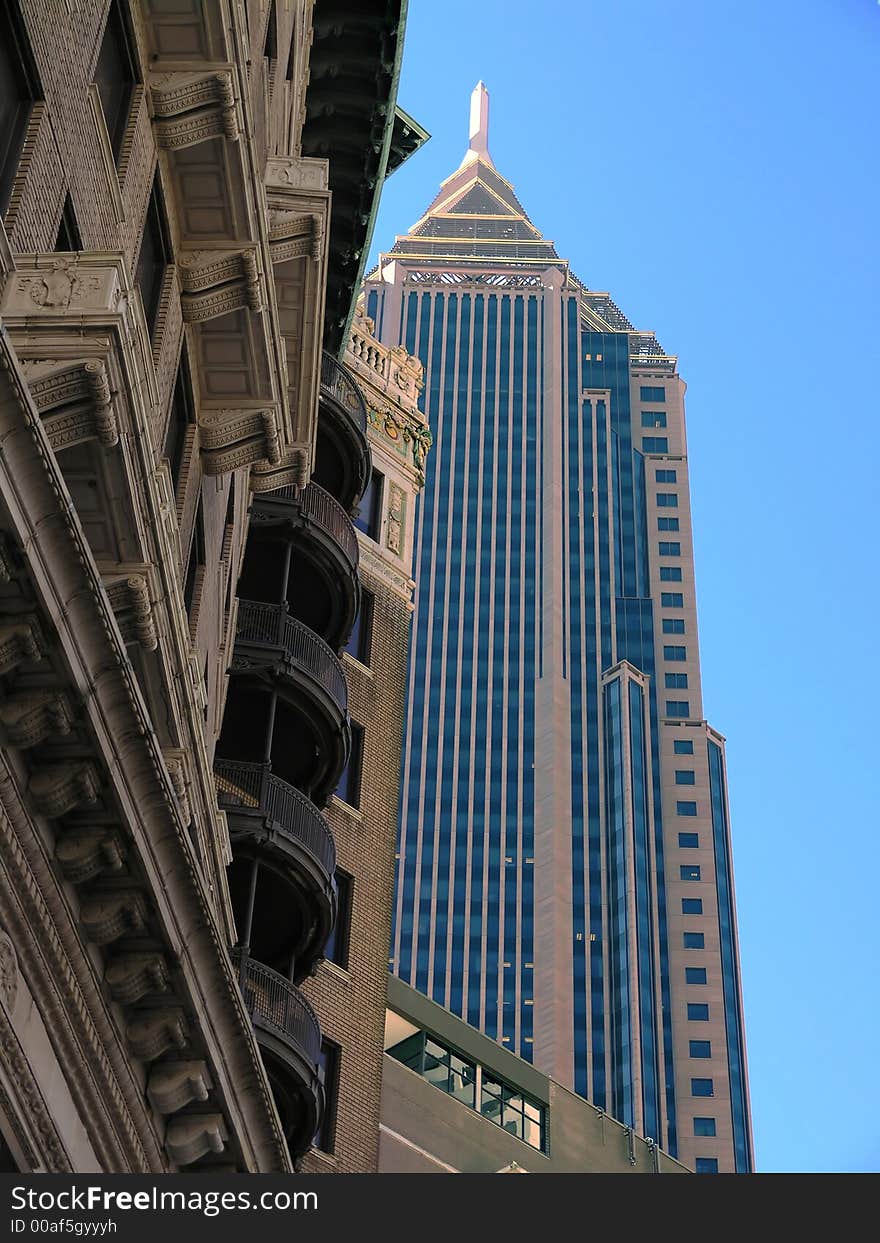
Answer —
19 88
726 927
116 75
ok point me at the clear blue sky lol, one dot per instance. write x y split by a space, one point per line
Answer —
714 165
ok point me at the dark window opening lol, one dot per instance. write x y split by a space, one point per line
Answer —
182 417
68 230
291 56
116 75
154 256
369 519
336 948
197 561
270 50
328 1073
361 638
349 788
19 88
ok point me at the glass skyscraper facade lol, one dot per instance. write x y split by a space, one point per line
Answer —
564 877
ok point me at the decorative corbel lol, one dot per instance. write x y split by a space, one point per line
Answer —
153 1032
30 717
190 108
83 854
132 976
173 1085
191 1137
20 641
58 788
108 916
130 600
75 402
215 282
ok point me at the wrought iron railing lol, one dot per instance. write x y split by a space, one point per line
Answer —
272 625
337 381
243 784
278 1004
322 509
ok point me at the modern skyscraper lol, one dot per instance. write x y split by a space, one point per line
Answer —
564 875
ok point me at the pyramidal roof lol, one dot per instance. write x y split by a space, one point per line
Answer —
476 214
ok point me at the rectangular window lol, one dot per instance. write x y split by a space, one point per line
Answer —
182 418
689 841
683 746
349 788
685 777
689 871
700 1048
698 1012
369 519
115 76
655 444
153 257
670 573
694 941
19 87
361 638
676 681
706 1165
667 524
672 600
195 570
695 975
68 236
665 476
653 418
678 707
667 500
328 1074
336 947
690 906
704 1126
669 549
686 809
657 393
673 625
702 1087
674 653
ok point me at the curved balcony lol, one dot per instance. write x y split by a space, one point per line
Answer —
324 571
342 461
271 821
289 1037
274 647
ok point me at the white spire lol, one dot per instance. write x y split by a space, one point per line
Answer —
478 146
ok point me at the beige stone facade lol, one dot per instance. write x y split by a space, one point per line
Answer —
167 240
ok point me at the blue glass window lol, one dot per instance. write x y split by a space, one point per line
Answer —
361 638
678 707
652 393
685 777
688 841
690 906
704 1126
670 573
668 548
689 871
694 941
653 418
675 653
667 500
369 519
698 1012
695 975
667 524
665 476
700 1048
673 625
686 809
672 599
655 444
706 1165
349 788
683 746
676 681
702 1087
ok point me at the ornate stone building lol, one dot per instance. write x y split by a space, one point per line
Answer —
186 192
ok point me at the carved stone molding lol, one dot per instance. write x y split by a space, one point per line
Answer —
58 788
294 470
20 641
49 285
293 234
173 1085
8 972
230 438
298 173
30 717
394 537
108 916
178 773
83 854
191 1137
25 1109
76 402
189 108
215 282
153 1032
130 600
132 976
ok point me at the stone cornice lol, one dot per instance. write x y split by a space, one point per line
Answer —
67 583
